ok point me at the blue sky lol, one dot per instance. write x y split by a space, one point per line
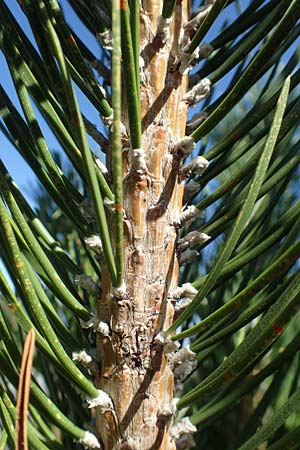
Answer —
19 170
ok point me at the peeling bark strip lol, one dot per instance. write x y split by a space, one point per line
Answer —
135 371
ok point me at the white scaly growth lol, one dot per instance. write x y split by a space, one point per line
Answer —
186 290
109 204
108 121
103 328
198 92
101 166
182 371
143 77
183 295
183 363
138 160
94 243
105 39
192 239
102 401
184 354
83 357
169 345
119 292
170 409
190 189
187 256
86 360
159 339
185 145
190 213
90 441
87 283
163 27
185 426
91 323
182 304
97 325
103 91
203 11
185 442
205 50
197 166
186 60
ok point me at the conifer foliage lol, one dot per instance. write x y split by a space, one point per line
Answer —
149 297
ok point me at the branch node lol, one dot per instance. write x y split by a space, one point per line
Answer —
83 357
182 371
190 189
94 243
186 59
199 92
183 296
103 401
184 146
103 328
186 290
86 360
187 256
105 39
192 239
170 409
197 166
183 355
183 363
97 325
119 292
185 426
168 344
190 213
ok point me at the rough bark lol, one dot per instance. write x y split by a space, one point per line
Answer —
134 369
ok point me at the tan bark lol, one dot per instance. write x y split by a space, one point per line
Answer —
134 370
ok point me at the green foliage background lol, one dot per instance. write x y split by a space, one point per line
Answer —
245 390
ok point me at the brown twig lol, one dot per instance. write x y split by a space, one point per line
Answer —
23 392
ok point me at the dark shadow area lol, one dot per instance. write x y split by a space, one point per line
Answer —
151 49
165 197
172 81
